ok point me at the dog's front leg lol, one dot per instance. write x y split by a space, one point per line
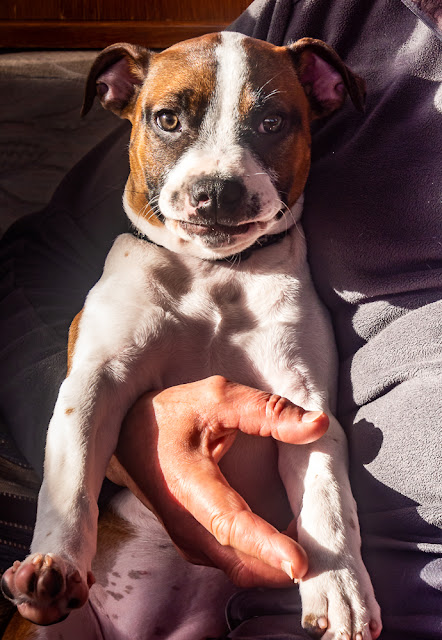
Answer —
81 438
338 601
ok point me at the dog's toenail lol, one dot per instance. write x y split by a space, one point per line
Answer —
37 560
48 561
15 566
322 622
358 636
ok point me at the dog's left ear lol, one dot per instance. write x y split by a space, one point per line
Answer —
325 78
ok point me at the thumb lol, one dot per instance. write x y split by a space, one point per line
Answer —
258 413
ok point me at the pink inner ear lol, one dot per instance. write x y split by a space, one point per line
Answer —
116 84
323 81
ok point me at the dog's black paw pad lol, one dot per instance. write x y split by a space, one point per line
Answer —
45 588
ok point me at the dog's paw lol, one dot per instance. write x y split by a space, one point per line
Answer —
338 606
45 588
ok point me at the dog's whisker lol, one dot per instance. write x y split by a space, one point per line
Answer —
271 95
288 214
152 205
260 91
236 260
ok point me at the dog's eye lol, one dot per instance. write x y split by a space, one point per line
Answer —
271 124
168 121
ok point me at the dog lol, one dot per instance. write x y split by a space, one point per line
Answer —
215 271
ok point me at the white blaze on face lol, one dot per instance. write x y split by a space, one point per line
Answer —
218 151
220 126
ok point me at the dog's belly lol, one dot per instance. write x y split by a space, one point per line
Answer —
144 588
155 320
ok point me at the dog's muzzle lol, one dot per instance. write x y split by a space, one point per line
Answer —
216 200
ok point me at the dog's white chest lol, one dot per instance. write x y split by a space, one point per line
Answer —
177 318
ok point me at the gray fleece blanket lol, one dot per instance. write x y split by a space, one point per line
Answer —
373 219
373 223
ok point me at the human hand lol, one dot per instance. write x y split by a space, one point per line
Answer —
168 454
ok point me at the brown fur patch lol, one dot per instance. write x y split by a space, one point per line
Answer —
276 89
113 533
179 83
114 530
138 196
301 164
247 101
73 336
181 79
20 629
310 624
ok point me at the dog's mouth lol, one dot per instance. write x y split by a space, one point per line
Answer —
215 229
217 236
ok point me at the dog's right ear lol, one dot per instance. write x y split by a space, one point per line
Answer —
116 77
324 77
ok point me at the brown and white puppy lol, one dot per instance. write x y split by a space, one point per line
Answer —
215 281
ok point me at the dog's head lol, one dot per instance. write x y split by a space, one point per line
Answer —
220 144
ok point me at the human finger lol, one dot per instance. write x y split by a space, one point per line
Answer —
208 413
194 542
198 484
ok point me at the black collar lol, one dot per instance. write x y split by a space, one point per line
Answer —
260 243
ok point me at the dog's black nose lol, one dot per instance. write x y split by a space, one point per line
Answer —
213 196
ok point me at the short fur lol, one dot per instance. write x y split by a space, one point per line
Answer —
219 156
